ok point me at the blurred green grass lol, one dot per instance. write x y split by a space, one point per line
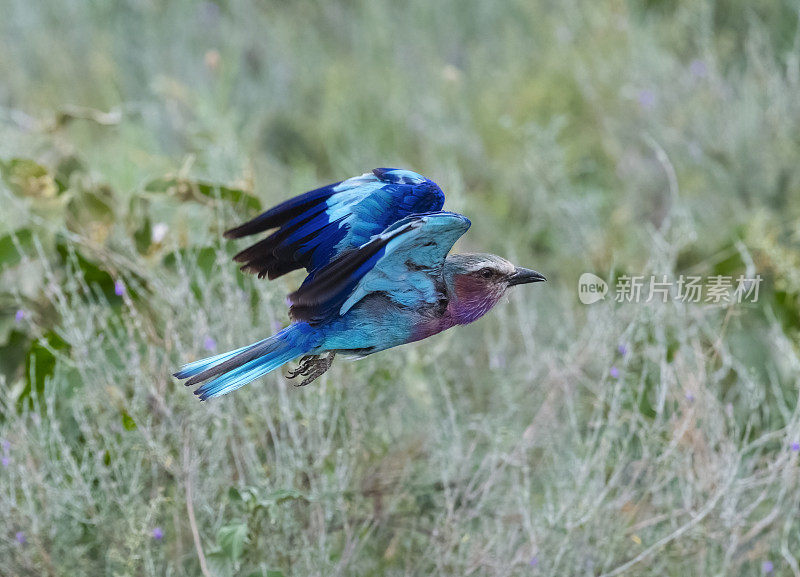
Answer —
652 137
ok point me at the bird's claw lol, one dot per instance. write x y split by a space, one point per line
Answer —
311 367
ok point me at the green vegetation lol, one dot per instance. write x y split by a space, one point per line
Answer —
653 137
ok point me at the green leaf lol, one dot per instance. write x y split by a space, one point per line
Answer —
13 354
234 494
41 365
281 495
92 273
11 246
127 421
27 178
143 236
201 259
92 210
231 540
218 562
65 169
202 191
256 501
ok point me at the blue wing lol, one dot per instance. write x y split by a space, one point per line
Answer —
316 227
404 262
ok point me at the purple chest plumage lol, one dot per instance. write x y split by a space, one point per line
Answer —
471 300
431 326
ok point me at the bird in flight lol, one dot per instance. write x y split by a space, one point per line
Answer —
379 275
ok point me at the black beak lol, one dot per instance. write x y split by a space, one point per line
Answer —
524 276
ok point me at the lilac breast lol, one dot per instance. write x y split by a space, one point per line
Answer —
431 326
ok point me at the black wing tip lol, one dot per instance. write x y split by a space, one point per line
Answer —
271 270
261 223
280 214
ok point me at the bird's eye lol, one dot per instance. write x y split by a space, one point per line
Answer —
486 273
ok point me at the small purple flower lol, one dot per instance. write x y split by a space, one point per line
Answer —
795 446
690 397
622 350
534 561
647 99
119 288
614 372
19 316
158 533
767 567
698 68
210 344
5 461
20 537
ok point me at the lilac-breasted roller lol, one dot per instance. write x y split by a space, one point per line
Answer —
375 247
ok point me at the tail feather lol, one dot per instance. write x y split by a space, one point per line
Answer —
234 369
239 377
197 367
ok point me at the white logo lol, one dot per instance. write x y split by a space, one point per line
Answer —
591 288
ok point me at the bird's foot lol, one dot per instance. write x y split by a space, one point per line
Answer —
311 367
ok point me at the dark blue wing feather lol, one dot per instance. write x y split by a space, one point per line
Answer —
286 211
316 227
404 263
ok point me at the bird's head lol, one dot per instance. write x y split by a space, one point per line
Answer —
476 282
